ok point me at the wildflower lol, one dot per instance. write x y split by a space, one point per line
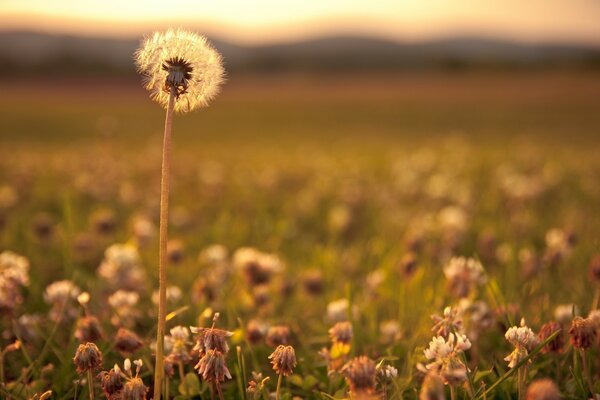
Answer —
594 269
387 372
261 295
313 282
583 333
257 267
341 332
213 255
177 342
564 313
283 360
212 367
121 267
556 345
88 329
559 245
134 388
211 339
390 331
124 304
477 317
182 62
143 230
360 374
175 251
112 383
449 322
432 388
61 296
103 222
174 294
445 356
523 339
463 275
256 386
256 331
543 389
87 357
277 335
338 310
14 274
127 341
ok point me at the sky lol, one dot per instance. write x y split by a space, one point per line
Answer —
268 21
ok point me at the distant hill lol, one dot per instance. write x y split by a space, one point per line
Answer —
34 53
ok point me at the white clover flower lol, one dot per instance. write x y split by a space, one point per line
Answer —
450 321
523 339
14 268
121 267
564 313
183 62
337 310
445 356
174 294
464 274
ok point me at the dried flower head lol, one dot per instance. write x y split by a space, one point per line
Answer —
256 331
283 360
183 62
277 335
112 383
87 357
88 329
543 389
127 342
212 367
557 344
134 388
583 333
341 332
360 373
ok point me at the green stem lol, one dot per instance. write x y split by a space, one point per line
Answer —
90 383
278 386
586 371
159 369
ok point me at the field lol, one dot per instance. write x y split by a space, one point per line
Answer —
302 202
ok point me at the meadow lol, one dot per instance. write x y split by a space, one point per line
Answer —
300 204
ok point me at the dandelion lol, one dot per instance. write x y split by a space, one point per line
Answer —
284 361
88 358
182 72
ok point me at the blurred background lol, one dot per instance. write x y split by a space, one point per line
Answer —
309 70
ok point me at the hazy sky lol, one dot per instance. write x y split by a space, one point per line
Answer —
255 21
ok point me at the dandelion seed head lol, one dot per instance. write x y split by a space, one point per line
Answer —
182 61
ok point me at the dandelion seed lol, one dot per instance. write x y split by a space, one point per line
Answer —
181 61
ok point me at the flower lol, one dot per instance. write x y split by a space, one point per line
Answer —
121 267
450 322
14 274
341 332
543 389
181 61
134 389
87 357
112 383
360 373
278 334
127 341
463 275
583 333
61 295
177 342
523 339
555 345
445 356
212 367
283 360
88 329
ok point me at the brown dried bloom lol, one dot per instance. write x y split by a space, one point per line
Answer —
556 345
134 389
360 373
88 329
255 331
543 389
313 282
283 360
87 357
341 332
277 335
127 341
583 333
112 383
210 339
212 367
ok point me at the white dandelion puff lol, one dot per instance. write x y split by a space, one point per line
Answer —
183 62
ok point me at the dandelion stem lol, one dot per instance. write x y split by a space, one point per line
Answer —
162 265
90 380
278 386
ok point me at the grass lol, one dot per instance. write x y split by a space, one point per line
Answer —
334 174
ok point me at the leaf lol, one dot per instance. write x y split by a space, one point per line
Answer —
190 385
